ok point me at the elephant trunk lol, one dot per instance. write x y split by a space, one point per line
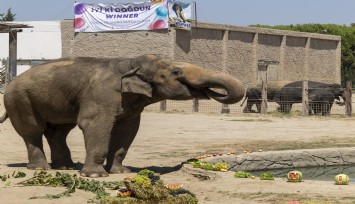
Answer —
205 80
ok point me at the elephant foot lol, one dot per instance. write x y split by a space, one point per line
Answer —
38 166
93 172
117 169
63 165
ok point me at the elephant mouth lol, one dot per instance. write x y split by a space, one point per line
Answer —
204 93
212 94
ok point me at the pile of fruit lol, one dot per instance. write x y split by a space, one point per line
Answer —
148 187
145 187
208 166
245 174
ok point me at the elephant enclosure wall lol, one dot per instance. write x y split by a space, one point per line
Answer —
227 48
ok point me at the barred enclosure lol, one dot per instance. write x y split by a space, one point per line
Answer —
214 107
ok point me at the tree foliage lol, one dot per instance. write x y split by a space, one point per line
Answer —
347 34
9 16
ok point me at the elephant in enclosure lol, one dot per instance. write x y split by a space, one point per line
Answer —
321 95
105 98
253 94
320 102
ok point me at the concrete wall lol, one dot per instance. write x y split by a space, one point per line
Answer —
232 49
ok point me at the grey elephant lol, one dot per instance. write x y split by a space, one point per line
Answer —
253 95
320 102
292 93
105 98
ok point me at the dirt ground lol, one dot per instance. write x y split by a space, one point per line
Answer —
165 140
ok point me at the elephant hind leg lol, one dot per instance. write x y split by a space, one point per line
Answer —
60 154
31 129
36 156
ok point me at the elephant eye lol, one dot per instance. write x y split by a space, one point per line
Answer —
176 72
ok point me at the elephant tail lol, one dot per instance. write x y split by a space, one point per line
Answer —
4 117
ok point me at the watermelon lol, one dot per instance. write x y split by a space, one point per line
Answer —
294 176
342 179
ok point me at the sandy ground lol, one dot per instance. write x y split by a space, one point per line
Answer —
165 140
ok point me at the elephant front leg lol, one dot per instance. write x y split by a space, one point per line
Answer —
123 134
97 136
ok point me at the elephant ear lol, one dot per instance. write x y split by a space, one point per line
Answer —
133 84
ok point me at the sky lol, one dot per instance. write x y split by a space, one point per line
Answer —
233 12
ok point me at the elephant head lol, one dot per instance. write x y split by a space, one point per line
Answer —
161 78
338 91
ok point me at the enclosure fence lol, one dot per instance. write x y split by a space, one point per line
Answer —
213 107
265 106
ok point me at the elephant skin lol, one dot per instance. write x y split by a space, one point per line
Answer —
105 98
292 93
253 94
320 102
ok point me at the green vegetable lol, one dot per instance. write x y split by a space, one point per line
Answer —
221 166
146 172
266 176
15 174
208 166
70 182
142 180
143 190
242 174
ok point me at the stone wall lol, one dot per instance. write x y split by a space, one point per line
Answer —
227 48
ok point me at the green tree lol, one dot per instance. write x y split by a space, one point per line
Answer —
9 16
347 34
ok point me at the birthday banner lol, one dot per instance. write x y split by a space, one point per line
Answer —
98 17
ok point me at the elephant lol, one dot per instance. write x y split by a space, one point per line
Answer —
292 93
104 97
320 102
253 95
177 8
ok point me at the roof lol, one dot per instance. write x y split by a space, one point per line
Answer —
6 27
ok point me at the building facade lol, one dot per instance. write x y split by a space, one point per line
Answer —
233 49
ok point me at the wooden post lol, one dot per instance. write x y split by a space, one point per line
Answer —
225 107
163 105
12 54
195 105
348 106
263 76
264 96
7 72
305 103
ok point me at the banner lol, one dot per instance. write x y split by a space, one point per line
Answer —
148 15
180 14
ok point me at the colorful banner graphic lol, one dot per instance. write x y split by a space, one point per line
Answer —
148 15
180 14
